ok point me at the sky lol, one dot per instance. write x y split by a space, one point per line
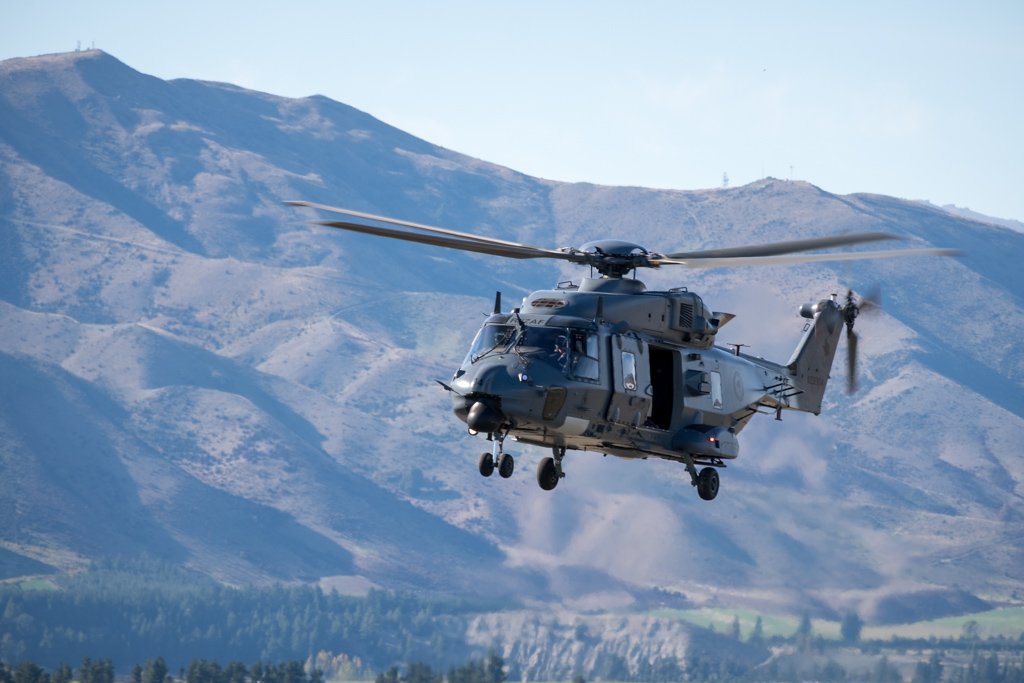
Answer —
919 100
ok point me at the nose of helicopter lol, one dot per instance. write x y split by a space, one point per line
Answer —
490 379
490 393
484 417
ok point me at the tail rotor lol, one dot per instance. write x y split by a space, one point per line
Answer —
851 310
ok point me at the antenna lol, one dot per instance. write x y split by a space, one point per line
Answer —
736 347
725 180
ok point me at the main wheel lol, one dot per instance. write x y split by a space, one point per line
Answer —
547 475
707 483
506 465
486 464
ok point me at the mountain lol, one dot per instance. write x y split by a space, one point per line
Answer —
193 371
974 215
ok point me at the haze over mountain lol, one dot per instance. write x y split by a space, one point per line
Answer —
192 370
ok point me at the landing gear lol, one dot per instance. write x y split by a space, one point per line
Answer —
547 476
497 459
707 483
549 471
506 465
486 464
706 480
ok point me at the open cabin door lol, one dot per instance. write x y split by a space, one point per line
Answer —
631 382
665 376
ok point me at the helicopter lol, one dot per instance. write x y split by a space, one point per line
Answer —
607 366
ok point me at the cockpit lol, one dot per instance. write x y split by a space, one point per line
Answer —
575 352
492 338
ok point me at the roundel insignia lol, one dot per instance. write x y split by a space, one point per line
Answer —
737 385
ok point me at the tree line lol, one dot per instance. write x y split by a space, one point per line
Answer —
489 669
129 612
706 667
700 667
156 671
132 611
982 667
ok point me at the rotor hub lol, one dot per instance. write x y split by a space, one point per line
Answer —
612 258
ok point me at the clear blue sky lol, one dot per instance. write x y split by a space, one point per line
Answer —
921 100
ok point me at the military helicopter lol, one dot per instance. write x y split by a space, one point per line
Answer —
608 366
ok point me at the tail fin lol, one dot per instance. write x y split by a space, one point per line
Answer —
812 360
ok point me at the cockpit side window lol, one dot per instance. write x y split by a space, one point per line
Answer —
574 352
550 344
544 339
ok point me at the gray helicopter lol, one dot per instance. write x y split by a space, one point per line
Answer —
607 366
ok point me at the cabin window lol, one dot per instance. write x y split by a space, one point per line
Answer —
716 389
628 371
584 363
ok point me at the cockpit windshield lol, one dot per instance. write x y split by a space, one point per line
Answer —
573 351
491 338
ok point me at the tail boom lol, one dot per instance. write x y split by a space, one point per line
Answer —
811 363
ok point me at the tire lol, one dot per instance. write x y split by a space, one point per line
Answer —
707 483
506 465
486 465
547 475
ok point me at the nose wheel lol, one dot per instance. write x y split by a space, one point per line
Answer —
505 465
503 462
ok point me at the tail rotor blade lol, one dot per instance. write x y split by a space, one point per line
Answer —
872 301
851 360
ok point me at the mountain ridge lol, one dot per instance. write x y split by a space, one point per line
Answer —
269 386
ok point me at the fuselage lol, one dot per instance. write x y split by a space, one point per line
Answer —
610 367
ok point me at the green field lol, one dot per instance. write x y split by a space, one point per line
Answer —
31 584
1007 622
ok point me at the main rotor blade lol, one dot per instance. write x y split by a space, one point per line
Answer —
788 247
508 250
802 258
416 226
